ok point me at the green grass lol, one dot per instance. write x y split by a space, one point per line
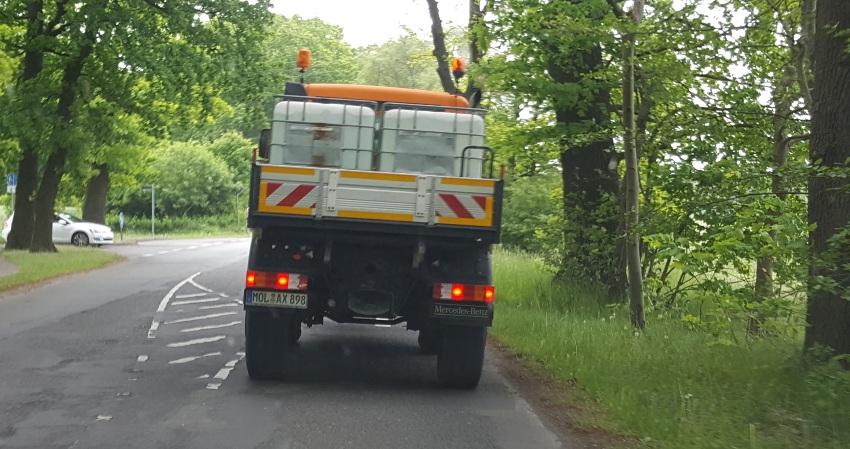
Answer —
33 268
670 386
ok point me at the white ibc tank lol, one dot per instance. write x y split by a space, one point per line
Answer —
320 134
431 142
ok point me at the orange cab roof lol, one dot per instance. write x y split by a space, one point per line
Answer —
385 94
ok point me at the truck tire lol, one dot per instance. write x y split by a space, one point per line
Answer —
430 339
267 344
461 357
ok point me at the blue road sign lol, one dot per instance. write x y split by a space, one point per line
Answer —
11 182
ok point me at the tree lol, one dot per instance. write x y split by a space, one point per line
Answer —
632 200
828 313
406 61
556 63
440 52
179 51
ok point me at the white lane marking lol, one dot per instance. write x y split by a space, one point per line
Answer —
164 303
163 252
203 376
218 306
196 341
382 325
237 301
104 418
223 295
193 358
147 255
142 358
190 295
192 247
212 326
194 301
223 373
202 317
153 328
199 286
206 245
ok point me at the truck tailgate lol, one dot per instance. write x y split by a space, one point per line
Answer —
337 194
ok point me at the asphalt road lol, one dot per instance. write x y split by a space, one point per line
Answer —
148 353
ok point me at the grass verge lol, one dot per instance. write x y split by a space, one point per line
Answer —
670 386
36 267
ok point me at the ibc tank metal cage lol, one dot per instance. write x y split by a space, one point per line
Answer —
468 154
458 128
356 123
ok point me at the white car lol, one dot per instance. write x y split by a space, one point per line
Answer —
70 229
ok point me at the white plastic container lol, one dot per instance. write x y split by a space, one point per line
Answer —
431 142
321 134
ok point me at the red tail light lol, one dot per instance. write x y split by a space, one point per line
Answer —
464 292
276 281
282 280
457 292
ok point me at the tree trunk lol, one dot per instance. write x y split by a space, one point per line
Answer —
636 305
476 20
20 236
440 52
589 177
828 313
782 101
45 200
94 208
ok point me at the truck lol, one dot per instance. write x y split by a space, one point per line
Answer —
372 205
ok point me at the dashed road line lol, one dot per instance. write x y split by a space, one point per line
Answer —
193 358
194 301
218 306
142 358
196 341
212 326
202 317
190 295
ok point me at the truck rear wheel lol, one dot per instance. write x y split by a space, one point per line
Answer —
430 338
267 343
461 357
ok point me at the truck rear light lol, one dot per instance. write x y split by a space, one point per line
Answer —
282 280
457 292
464 292
276 281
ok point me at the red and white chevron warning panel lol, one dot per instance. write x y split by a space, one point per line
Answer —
291 194
461 206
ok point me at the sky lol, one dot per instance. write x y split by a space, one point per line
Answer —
367 22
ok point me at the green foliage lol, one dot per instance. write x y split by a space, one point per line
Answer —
190 181
670 386
532 218
406 61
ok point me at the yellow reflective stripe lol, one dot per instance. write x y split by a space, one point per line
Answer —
289 170
468 182
373 215
378 176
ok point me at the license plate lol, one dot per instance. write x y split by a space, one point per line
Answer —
286 300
